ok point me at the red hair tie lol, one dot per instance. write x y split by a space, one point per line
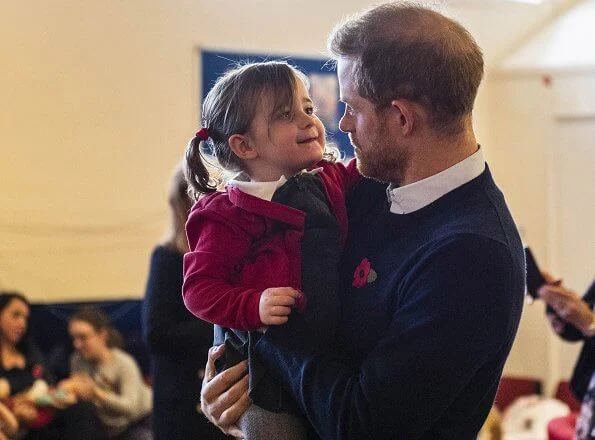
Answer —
202 134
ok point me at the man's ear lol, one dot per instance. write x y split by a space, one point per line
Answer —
404 114
241 146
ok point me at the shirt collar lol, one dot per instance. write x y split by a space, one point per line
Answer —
416 195
262 190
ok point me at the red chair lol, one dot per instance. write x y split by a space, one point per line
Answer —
512 388
562 428
564 394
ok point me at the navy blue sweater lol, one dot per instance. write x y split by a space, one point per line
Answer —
423 341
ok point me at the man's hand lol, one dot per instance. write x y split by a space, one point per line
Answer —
224 396
276 304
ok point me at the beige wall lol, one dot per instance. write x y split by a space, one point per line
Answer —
99 100
537 167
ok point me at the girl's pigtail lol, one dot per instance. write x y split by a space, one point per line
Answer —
195 171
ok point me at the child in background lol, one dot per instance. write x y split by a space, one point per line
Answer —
272 241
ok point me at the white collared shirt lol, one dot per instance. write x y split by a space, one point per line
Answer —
262 190
416 195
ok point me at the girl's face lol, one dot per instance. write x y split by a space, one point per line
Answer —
86 340
13 321
293 140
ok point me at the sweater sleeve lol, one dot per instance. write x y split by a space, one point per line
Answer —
455 312
130 388
218 246
169 326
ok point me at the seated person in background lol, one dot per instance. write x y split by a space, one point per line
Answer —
109 377
21 366
178 341
574 320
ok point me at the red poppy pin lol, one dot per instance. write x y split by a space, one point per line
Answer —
363 274
37 371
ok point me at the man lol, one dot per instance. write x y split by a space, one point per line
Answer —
433 278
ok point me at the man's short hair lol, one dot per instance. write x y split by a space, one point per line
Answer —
405 51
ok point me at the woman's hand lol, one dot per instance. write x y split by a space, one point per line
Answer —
4 388
81 385
24 409
568 306
224 396
8 422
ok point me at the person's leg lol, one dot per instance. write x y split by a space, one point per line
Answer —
179 419
141 430
79 422
260 424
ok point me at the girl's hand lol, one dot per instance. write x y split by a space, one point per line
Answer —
224 396
276 304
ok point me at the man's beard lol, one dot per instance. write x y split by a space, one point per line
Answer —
381 160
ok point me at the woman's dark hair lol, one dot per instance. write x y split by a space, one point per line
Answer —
229 109
25 345
99 321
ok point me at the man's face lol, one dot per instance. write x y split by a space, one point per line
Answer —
374 140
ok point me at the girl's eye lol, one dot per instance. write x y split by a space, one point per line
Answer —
310 110
285 114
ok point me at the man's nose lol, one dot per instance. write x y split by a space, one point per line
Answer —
346 123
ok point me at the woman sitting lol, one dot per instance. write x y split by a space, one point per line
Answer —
47 414
103 373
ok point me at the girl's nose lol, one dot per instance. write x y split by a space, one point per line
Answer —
305 120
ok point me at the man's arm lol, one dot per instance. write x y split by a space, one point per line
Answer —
454 314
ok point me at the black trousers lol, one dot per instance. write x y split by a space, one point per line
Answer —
77 422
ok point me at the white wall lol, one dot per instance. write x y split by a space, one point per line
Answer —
541 109
99 100
528 153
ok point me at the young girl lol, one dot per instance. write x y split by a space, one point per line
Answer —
272 241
